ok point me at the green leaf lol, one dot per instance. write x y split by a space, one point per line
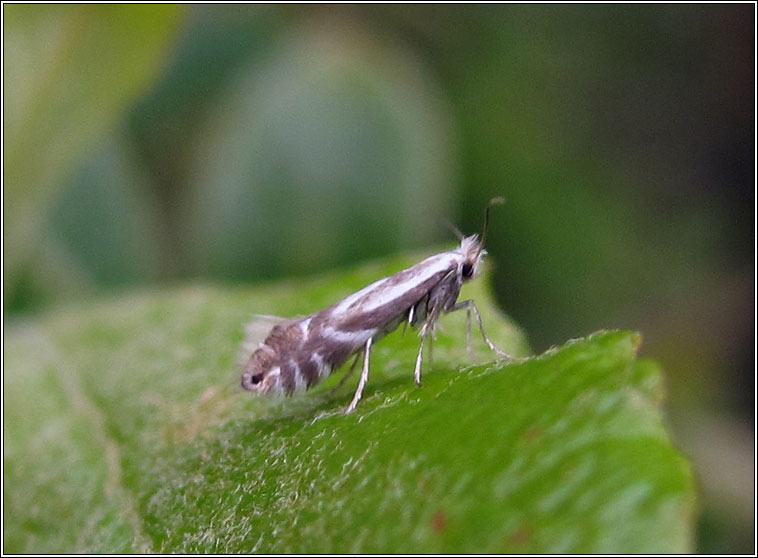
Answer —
70 72
347 139
125 431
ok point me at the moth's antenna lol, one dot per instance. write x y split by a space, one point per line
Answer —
494 201
456 231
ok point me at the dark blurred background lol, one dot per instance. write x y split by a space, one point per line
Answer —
147 146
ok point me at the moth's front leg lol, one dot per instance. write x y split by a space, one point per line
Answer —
470 306
469 346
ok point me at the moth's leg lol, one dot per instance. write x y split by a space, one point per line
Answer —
420 356
470 305
349 373
469 346
431 351
364 378
409 321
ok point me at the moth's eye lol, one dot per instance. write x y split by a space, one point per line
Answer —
467 270
257 378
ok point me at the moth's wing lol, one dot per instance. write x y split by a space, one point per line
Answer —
256 331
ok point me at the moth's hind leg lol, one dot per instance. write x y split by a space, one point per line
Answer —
349 373
470 307
364 378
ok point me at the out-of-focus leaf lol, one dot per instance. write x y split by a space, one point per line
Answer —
332 147
105 221
69 72
124 432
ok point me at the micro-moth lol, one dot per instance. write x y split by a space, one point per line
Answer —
299 353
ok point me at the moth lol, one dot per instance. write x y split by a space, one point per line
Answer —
297 354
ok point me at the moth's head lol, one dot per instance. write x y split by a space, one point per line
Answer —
473 254
472 248
260 373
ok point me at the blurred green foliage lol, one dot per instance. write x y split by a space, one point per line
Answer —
71 73
124 434
152 144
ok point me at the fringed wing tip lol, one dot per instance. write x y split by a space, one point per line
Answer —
256 331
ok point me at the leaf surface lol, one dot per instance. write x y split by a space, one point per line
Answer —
125 431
